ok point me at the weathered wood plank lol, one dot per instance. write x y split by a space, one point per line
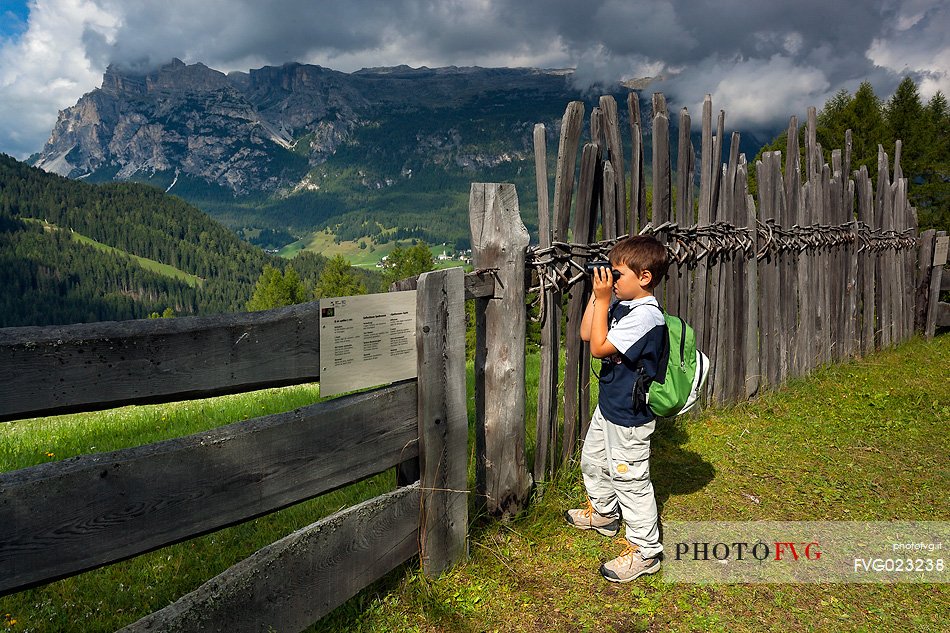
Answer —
793 210
597 128
499 240
851 290
768 277
638 201
576 367
408 471
90 366
824 318
99 509
681 213
541 184
785 310
697 302
737 283
290 584
545 428
751 338
609 203
571 126
443 420
720 308
662 181
836 281
714 271
882 272
867 261
479 284
608 105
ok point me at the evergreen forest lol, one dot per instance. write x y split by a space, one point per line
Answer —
76 252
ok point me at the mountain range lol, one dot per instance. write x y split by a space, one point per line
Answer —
303 147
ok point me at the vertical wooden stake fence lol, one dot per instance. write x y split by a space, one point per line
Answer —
817 269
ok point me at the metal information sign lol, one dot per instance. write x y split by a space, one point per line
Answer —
367 340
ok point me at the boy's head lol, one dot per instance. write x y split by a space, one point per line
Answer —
642 253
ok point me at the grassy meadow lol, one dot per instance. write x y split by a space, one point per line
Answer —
864 440
324 243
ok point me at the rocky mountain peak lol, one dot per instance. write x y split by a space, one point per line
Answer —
173 76
261 132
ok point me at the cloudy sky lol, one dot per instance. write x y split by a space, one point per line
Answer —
762 60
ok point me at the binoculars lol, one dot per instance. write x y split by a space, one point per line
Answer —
602 264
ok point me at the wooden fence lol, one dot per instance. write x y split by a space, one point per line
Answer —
816 267
63 518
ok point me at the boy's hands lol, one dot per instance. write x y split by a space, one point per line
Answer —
603 283
594 323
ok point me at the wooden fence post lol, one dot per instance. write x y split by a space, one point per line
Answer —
608 105
638 201
576 368
866 258
685 213
697 301
443 419
662 183
499 240
798 347
545 427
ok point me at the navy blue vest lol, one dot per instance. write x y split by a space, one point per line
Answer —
638 331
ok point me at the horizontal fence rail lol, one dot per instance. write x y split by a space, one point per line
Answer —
302 577
66 517
91 366
63 518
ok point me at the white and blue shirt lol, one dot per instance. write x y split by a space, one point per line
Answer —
638 330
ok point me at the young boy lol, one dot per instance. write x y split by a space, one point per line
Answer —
629 336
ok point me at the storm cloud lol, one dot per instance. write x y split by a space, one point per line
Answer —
761 61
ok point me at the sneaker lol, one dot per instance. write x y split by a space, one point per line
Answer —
629 565
589 519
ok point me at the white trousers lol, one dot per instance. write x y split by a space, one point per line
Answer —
615 464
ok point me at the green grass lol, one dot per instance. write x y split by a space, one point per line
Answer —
109 598
157 267
865 440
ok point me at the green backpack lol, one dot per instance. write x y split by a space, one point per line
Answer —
685 371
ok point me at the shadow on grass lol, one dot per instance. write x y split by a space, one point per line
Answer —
673 469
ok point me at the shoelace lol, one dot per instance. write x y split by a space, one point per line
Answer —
629 549
589 510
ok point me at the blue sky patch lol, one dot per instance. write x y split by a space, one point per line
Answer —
13 16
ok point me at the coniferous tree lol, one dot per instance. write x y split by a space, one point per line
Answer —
904 114
408 262
339 280
276 288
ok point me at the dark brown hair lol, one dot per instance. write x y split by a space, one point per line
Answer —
642 252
